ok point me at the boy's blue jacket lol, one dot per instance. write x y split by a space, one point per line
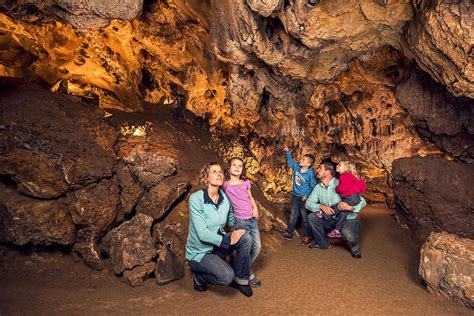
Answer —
303 182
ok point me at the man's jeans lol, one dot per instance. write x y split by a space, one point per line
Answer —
297 208
350 231
214 270
251 226
341 215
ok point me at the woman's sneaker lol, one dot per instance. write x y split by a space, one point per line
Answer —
198 286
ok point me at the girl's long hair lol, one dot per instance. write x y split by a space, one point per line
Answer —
243 176
349 166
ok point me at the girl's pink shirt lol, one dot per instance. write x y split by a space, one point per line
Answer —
239 197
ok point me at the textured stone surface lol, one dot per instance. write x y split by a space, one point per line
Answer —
447 266
42 137
28 220
440 40
130 190
168 267
435 195
138 275
158 200
441 118
130 244
95 210
147 161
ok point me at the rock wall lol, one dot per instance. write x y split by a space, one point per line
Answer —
434 194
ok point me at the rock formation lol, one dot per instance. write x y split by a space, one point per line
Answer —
435 195
447 266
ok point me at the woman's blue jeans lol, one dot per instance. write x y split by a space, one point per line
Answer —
213 269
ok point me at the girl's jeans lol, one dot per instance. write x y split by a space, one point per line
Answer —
251 226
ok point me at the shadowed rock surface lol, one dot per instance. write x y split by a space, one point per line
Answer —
156 202
435 195
26 220
440 118
447 266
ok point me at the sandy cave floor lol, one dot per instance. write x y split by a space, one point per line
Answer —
296 280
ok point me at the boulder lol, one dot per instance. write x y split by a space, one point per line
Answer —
447 266
130 244
168 267
52 144
158 200
433 194
27 220
138 275
95 210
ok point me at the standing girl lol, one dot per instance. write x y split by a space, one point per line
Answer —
237 189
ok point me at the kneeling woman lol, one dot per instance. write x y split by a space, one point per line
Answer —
208 243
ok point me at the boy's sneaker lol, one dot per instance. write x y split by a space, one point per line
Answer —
334 234
255 282
286 235
306 241
198 286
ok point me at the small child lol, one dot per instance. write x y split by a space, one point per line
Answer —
304 180
237 189
349 190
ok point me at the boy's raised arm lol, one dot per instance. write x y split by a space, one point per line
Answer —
291 162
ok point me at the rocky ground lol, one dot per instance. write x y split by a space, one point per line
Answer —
295 279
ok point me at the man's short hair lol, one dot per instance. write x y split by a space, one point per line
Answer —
328 165
311 158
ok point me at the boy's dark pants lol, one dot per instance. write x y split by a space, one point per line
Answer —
340 215
297 208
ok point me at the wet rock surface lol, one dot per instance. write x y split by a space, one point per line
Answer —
447 266
168 267
435 195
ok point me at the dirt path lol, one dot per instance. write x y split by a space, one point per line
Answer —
297 280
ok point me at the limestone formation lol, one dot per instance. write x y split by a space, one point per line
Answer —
130 244
441 118
447 266
435 195
27 220
159 199
440 40
42 136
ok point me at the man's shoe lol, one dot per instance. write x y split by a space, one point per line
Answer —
306 241
286 235
316 246
198 286
356 254
255 282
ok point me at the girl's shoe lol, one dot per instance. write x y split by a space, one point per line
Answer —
255 282
334 234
